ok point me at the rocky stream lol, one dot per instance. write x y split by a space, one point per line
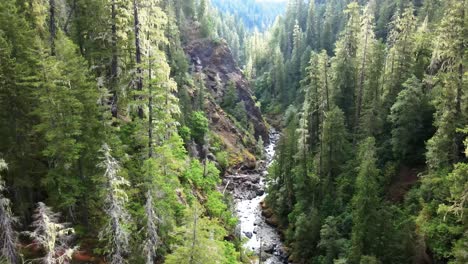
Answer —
249 190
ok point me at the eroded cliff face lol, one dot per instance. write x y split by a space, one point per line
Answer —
214 59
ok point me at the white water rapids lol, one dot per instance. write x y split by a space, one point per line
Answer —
263 239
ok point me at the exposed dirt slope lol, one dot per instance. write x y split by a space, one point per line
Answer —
214 59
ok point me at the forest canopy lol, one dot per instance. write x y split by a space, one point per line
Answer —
122 123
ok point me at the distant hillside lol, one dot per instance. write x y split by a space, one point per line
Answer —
254 13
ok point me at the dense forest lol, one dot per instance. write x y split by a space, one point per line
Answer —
121 119
255 14
371 166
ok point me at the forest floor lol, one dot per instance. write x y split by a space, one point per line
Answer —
406 178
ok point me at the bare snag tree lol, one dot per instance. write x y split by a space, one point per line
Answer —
53 237
8 236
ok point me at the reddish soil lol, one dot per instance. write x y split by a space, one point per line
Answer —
402 183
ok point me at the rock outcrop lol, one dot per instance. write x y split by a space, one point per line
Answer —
214 59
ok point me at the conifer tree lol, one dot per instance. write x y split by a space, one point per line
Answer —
8 236
115 232
69 122
330 25
303 139
138 56
334 151
279 78
372 115
197 243
311 30
163 105
306 234
365 202
345 66
202 9
152 238
400 59
445 147
324 104
66 66
120 19
407 117
188 6
52 236
330 239
324 82
366 43
312 103
294 71
230 97
423 49
18 82
457 205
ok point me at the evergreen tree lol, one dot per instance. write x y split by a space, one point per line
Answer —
152 237
115 232
188 6
423 49
303 139
18 81
202 9
196 241
230 97
281 188
400 59
279 77
311 29
334 151
306 234
324 83
364 58
52 236
365 202
207 26
8 236
293 68
331 24
372 114
444 148
240 113
67 98
331 240
345 65
312 104
407 117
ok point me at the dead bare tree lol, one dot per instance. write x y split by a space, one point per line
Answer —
52 236
8 236
114 232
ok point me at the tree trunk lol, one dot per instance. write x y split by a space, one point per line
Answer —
139 81
150 107
85 216
361 83
317 116
114 60
304 152
52 29
194 238
326 85
458 107
72 11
